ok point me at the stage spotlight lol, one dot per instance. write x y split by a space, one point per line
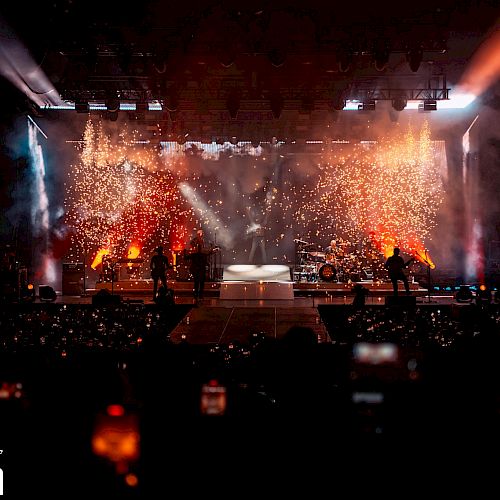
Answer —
428 105
182 138
367 105
414 58
464 294
113 104
344 59
27 292
276 103
483 295
46 293
277 57
338 103
393 116
399 103
227 55
171 101
381 56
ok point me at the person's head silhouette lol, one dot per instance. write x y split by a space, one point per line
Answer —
159 250
396 251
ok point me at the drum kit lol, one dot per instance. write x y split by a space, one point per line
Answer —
314 265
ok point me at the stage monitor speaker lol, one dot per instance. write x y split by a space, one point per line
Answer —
72 278
106 300
401 300
46 293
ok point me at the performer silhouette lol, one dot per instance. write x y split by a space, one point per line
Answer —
159 265
395 265
199 253
257 228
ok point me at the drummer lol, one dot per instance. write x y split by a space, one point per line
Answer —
333 252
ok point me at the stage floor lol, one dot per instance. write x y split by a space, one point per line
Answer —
212 289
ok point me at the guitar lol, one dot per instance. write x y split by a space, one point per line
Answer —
395 268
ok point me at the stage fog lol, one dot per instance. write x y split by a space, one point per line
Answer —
101 188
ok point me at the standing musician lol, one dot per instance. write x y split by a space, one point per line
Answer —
159 265
198 255
257 228
395 265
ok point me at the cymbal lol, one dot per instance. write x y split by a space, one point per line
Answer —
317 254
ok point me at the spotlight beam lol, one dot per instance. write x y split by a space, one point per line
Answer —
17 65
36 125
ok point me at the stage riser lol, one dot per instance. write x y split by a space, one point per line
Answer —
249 272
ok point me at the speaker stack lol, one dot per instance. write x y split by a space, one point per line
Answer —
72 278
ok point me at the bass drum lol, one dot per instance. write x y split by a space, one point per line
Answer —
328 273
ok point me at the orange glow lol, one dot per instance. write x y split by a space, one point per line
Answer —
133 251
213 398
482 288
115 410
116 438
122 193
386 242
388 245
131 480
30 287
177 242
98 258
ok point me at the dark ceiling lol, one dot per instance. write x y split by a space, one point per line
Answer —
220 67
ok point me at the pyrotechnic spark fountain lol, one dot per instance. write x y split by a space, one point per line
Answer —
117 196
392 188
121 194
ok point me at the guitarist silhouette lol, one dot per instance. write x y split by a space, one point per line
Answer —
395 265
199 255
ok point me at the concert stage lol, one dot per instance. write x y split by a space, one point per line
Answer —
255 289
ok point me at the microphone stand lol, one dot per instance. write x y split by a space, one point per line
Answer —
113 264
84 293
213 266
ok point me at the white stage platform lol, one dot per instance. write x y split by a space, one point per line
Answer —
251 272
253 282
